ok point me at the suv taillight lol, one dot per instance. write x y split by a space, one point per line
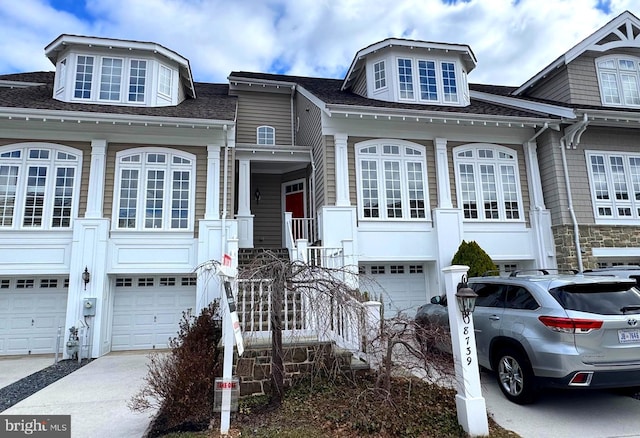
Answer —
570 325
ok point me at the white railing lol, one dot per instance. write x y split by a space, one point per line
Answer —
308 313
304 228
326 257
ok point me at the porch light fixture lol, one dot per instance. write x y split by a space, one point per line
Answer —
86 277
257 196
466 298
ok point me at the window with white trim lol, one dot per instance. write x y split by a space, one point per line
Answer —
618 77
380 75
429 81
165 80
115 80
488 183
61 77
266 135
615 184
392 180
39 186
154 190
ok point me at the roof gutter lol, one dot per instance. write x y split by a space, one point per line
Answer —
572 135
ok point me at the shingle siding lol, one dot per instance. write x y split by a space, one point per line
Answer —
309 133
584 81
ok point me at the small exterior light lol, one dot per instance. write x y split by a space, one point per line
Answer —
257 196
86 277
466 299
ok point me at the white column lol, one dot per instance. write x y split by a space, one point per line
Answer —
212 206
244 216
442 174
95 194
244 187
342 170
471 406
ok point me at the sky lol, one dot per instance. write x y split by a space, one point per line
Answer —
512 39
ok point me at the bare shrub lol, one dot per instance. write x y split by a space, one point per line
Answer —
180 383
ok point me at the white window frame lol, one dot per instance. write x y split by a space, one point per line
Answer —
504 163
58 157
61 76
87 77
266 135
116 83
379 75
611 207
414 94
406 164
124 162
165 81
610 72
95 80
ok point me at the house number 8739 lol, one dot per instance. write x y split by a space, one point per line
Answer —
467 344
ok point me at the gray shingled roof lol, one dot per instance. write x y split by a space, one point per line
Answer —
213 101
328 90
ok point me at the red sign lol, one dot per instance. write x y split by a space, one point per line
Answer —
226 385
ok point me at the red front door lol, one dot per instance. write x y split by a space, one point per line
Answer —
294 203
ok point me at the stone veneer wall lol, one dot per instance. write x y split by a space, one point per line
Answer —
592 236
253 369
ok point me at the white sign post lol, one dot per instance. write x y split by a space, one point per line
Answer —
471 407
230 326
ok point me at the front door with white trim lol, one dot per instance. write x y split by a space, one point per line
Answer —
294 202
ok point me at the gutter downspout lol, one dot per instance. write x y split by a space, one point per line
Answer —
573 133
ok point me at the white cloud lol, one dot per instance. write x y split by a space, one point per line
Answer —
511 40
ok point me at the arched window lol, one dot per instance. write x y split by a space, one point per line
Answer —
618 77
154 190
487 182
391 180
39 184
266 135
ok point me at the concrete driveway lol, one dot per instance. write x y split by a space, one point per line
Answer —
14 368
96 397
565 414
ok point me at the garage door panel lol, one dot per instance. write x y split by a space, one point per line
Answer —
147 317
17 345
402 286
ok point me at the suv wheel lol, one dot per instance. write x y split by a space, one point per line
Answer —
515 376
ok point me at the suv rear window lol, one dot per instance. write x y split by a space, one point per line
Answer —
601 298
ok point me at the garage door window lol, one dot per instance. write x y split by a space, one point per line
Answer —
39 185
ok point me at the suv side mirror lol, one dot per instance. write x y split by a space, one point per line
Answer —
437 300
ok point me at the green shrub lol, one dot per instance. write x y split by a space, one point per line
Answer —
180 383
471 255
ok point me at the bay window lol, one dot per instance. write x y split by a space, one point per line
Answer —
428 81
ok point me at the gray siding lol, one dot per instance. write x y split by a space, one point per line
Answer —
329 170
555 87
258 109
309 133
584 81
552 177
267 221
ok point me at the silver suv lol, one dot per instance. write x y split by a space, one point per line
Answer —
536 329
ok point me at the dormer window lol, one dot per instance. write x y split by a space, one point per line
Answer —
118 72
380 74
618 77
436 81
266 135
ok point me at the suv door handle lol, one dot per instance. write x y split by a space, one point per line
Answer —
494 318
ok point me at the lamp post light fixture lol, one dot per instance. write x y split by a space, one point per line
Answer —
257 196
86 277
466 298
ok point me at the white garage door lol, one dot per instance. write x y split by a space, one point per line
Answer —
147 311
31 310
402 286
